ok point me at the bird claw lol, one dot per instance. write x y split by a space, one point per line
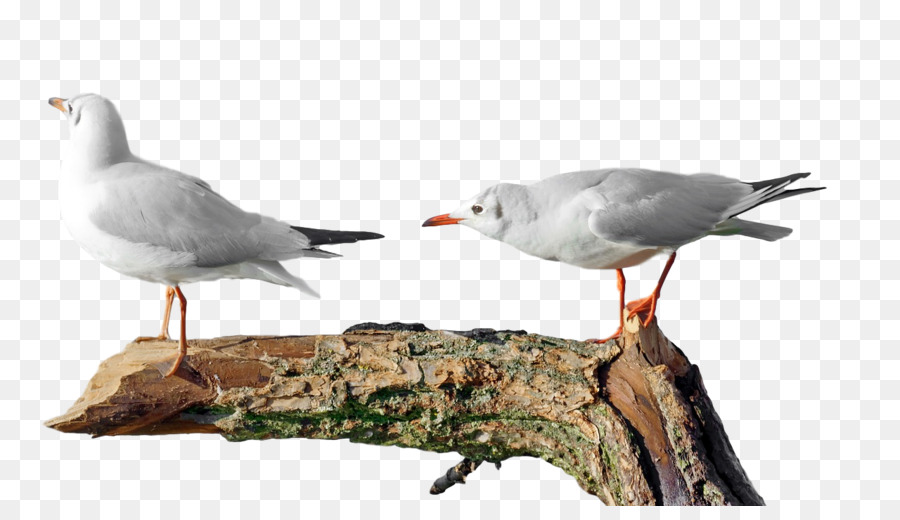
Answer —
142 339
178 359
615 335
638 307
169 367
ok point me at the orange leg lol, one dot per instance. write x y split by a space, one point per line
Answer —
182 341
649 303
620 283
164 333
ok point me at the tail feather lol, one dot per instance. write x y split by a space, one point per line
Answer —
769 191
276 273
318 237
736 226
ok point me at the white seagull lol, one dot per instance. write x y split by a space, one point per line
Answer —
618 218
160 225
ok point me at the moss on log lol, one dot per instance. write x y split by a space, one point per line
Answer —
629 419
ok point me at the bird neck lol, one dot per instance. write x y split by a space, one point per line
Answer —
519 213
529 215
98 145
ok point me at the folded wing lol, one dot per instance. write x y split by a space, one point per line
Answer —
145 203
659 209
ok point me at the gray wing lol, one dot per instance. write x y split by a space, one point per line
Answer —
146 203
659 209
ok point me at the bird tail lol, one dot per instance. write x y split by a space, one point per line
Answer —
769 191
318 237
736 226
274 272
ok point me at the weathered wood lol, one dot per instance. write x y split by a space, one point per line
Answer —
629 419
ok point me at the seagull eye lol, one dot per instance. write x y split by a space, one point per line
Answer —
477 209
70 108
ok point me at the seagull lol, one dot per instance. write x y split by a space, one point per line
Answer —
160 225
617 218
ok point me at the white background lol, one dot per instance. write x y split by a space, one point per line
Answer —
376 116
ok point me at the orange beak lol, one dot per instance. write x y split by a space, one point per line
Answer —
441 220
59 104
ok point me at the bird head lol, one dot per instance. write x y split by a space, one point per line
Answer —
95 128
91 109
490 212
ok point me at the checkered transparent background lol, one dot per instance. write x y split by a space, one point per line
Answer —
377 115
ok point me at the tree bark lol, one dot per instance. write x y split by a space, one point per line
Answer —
629 419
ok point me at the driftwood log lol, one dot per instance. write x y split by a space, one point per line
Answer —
629 419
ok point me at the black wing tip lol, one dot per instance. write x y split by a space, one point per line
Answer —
318 237
778 191
355 236
787 179
797 177
793 193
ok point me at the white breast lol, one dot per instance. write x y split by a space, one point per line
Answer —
564 236
78 199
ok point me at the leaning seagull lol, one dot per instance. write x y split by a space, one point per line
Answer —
160 225
618 218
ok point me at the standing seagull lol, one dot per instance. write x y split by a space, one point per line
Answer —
618 218
160 225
